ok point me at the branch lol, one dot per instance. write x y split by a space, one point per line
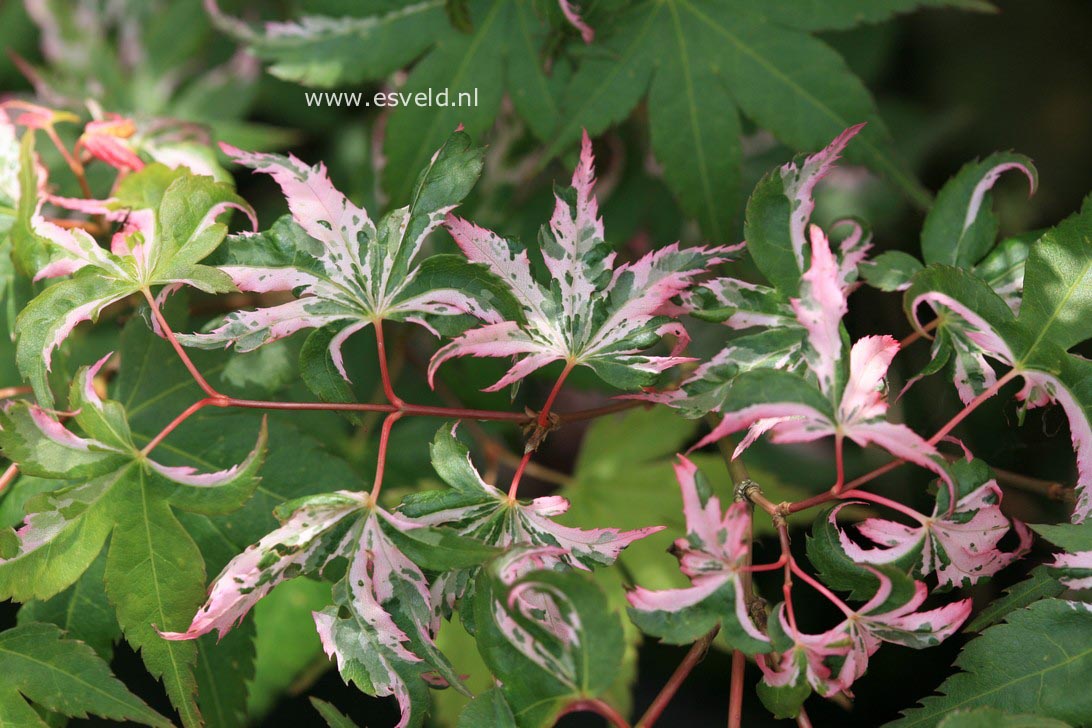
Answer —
696 654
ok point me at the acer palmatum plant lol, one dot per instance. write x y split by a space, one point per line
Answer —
127 499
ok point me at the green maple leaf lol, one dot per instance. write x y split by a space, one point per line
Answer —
64 676
700 63
703 63
1027 665
154 573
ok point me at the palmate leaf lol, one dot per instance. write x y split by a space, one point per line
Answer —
700 63
833 660
155 386
381 628
792 409
153 573
703 62
711 554
638 449
552 634
1053 317
81 610
64 676
961 226
959 543
347 270
960 230
1027 665
476 509
169 224
590 313
806 294
501 52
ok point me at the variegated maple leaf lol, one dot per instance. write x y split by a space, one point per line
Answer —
551 632
777 224
959 230
379 628
847 404
832 661
347 271
1035 344
527 612
42 446
589 312
959 544
713 555
805 659
168 225
476 509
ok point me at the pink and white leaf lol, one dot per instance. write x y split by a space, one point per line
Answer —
904 624
486 512
799 183
589 312
234 475
249 330
71 249
297 545
505 339
820 309
324 213
712 554
960 547
810 659
1041 388
572 15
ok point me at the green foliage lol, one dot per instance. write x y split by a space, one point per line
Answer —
993 718
135 482
700 64
333 717
1039 585
64 676
1027 665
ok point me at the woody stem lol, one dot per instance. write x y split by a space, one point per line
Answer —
542 422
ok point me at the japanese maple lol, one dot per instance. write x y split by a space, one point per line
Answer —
175 480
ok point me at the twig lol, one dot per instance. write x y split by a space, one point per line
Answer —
595 705
915 335
9 475
693 657
542 423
